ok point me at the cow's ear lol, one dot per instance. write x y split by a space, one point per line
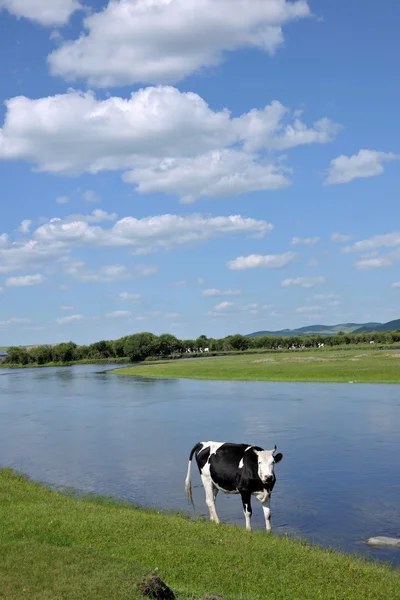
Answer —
278 457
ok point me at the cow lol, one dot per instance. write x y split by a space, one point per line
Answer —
235 469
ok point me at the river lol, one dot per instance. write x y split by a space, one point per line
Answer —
337 485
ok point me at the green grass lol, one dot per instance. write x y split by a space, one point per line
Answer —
356 365
53 546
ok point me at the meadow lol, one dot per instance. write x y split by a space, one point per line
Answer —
56 546
356 365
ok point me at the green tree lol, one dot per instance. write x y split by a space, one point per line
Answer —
140 345
168 344
65 352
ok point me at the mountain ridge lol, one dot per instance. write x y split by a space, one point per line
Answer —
326 330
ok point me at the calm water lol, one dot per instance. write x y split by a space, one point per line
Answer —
339 482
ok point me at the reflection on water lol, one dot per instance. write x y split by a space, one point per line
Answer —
339 482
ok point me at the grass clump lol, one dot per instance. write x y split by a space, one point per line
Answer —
316 365
56 547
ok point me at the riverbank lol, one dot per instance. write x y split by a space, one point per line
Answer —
54 546
89 361
356 366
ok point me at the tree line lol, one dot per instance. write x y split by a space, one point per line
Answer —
141 346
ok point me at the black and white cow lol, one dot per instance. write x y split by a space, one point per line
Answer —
235 469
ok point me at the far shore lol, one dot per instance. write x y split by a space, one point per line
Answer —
355 365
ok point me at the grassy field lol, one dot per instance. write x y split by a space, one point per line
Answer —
55 547
356 365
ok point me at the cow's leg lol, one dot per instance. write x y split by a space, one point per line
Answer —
267 513
209 488
246 500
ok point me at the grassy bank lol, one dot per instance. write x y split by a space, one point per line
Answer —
356 365
57 547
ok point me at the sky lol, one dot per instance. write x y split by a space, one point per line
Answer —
197 166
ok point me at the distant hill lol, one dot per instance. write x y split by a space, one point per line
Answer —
382 327
329 329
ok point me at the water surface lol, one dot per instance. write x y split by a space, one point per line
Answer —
338 484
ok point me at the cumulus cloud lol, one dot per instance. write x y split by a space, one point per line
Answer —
159 41
25 280
255 261
129 296
44 12
14 321
395 285
96 216
67 307
377 261
53 241
296 241
216 292
217 174
323 297
305 282
164 231
78 270
220 309
25 226
162 139
385 240
340 237
308 309
70 319
367 163
118 314
62 199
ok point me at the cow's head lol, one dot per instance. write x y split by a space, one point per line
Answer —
266 462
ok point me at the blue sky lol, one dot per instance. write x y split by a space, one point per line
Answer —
180 166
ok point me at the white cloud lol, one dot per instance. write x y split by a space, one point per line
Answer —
66 307
78 270
220 309
323 297
370 262
14 321
296 241
62 199
70 319
25 226
313 262
367 163
216 292
185 282
53 241
308 309
386 240
118 314
162 139
45 12
395 285
305 282
217 174
1 290
255 261
96 216
90 196
159 41
129 296
340 237
25 280
159 231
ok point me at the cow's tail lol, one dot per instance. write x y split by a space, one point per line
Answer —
188 482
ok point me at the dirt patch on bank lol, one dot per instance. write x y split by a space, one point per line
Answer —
265 360
316 359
